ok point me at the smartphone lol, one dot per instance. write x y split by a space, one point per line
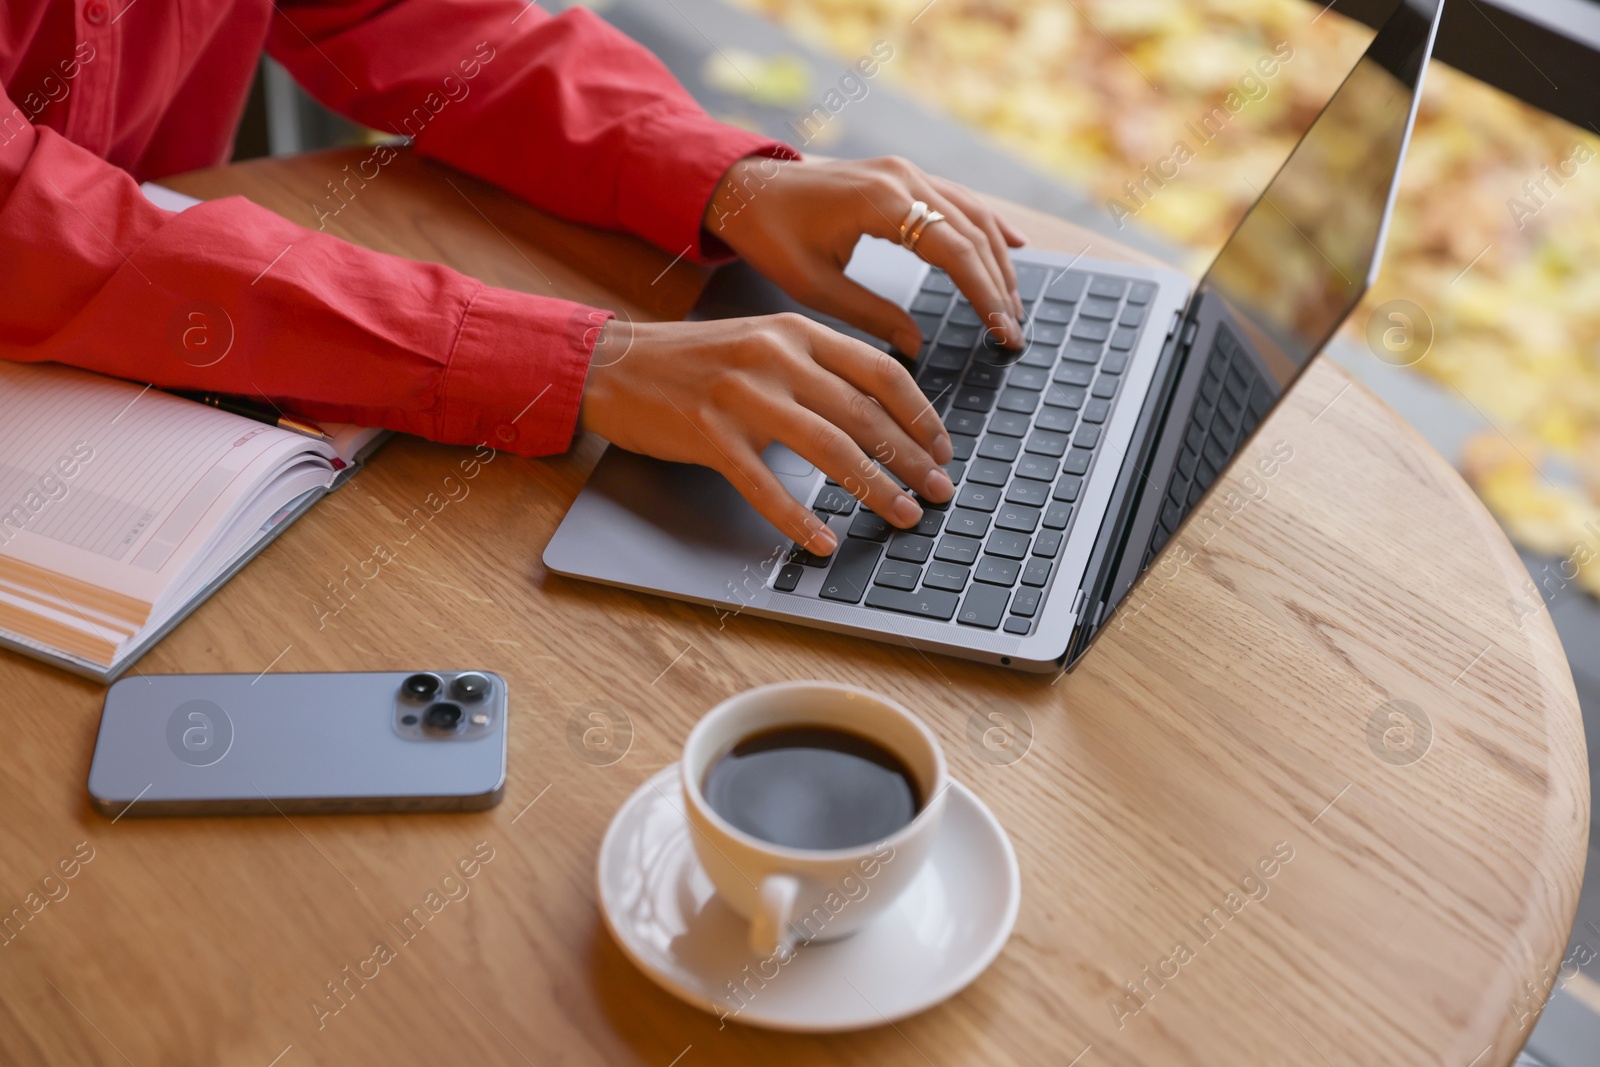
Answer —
240 744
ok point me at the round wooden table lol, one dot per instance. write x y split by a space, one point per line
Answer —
1319 794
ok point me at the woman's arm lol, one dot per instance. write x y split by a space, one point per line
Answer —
563 111
230 297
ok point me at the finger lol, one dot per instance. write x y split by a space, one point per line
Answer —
871 427
829 291
886 380
833 451
943 245
986 220
755 481
963 252
1014 237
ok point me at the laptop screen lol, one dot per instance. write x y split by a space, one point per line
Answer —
1309 247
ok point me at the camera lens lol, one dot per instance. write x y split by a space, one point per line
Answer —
443 716
469 687
420 686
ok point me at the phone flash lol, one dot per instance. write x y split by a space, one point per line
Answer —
480 719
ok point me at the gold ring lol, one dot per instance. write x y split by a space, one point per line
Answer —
922 225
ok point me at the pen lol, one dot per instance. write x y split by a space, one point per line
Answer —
250 410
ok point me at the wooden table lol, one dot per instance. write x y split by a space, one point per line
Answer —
1237 707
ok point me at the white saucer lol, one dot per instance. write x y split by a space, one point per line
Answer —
948 926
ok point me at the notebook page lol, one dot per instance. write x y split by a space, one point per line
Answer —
108 491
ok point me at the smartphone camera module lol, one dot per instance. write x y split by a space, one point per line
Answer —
449 707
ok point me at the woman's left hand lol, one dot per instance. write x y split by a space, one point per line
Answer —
798 222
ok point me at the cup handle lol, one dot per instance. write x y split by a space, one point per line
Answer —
770 933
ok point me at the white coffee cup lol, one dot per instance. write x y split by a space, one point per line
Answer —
793 894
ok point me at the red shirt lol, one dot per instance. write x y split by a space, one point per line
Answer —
96 95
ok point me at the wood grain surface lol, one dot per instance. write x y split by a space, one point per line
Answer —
1234 720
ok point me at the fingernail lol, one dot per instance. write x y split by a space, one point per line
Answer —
823 542
938 486
943 451
906 511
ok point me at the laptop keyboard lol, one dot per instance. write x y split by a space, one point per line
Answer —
1025 428
1233 398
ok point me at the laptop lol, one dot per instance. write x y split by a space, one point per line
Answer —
1076 458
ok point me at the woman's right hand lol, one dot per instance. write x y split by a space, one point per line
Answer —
717 393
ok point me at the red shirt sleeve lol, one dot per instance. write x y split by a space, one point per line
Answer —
564 111
93 274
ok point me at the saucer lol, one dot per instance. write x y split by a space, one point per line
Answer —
942 933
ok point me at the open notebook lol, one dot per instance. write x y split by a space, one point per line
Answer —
122 507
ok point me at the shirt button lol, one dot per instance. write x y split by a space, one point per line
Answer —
506 433
96 13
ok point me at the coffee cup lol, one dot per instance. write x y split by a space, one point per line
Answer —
807 894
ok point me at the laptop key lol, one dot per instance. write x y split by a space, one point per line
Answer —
1096 411
996 570
899 575
1122 338
967 422
947 576
1041 357
1059 420
1142 293
931 303
1097 307
946 358
1049 443
976 497
1047 543
1022 518
1074 374
1053 311
1068 487
989 472
1132 315
1008 544
956 335
1077 461
1105 387
928 525
870 526
851 572
928 324
1049 334
1065 396
1001 448
788 577
1114 363
962 445
964 315
1035 378
1068 285
970 523
1105 286
1087 437
1036 573
956 549
1031 278
1083 351
1026 602
806 559
1028 494
1057 516
984 606
1018 400
1015 624
986 376
910 547
1009 424
835 499
955 469
928 603
972 398
1039 468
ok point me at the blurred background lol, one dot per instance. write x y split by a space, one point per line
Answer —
1483 330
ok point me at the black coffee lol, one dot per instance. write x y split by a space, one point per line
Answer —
812 787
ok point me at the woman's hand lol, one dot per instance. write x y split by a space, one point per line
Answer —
797 222
717 393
